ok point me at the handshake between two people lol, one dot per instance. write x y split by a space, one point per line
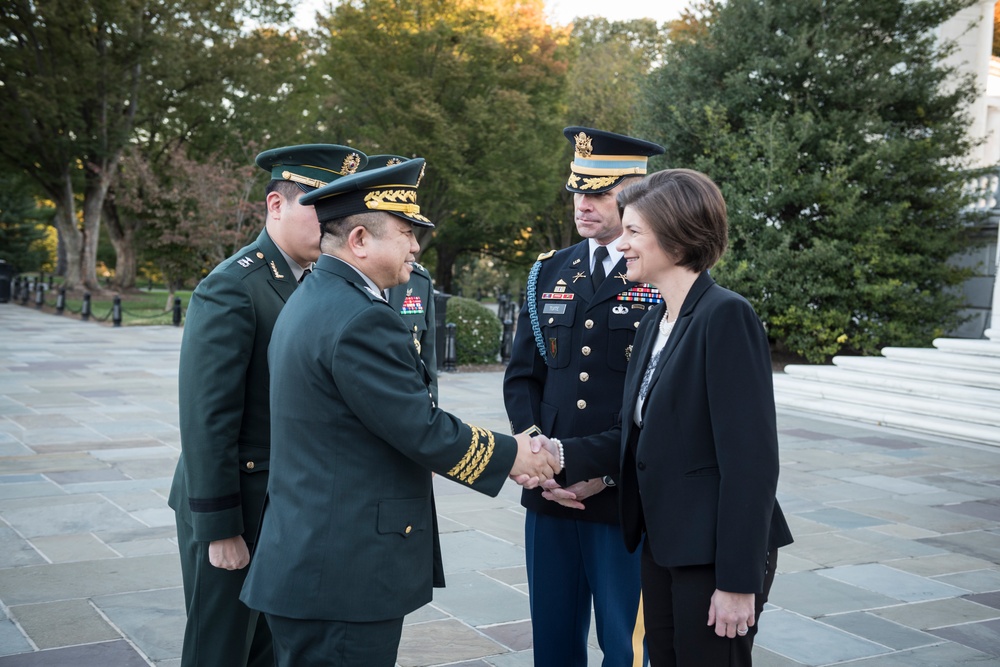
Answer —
538 460
547 455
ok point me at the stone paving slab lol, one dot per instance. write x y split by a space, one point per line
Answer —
894 565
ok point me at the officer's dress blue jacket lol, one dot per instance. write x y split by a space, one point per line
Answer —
577 389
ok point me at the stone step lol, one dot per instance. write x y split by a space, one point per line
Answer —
909 369
878 400
934 425
931 389
937 357
968 346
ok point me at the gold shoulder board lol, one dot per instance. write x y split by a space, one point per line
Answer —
546 255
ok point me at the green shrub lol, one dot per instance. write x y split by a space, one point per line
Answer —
478 331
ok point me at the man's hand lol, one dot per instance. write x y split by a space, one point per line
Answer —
574 495
534 463
731 613
229 554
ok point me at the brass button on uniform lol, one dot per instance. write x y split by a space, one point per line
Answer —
581 404
589 324
249 465
584 377
635 324
551 320
408 529
260 255
586 350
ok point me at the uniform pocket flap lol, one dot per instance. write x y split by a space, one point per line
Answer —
402 516
254 459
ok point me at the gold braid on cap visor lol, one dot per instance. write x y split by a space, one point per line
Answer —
401 201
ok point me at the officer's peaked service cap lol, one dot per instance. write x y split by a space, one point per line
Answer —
602 159
312 166
392 189
379 161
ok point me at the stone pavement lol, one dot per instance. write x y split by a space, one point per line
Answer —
894 564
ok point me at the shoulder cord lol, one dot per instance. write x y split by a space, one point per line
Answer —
530 293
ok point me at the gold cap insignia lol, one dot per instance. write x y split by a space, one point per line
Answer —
351 164
393 160
421 176
584 145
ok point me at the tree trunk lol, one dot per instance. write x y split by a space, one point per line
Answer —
96 182
69 232
446 257
122 235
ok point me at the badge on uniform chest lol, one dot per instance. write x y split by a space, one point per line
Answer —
412 305
554 309
644 293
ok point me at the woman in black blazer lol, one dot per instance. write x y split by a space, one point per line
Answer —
696 454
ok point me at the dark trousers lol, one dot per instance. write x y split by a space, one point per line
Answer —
221 631
311 643
675 604
571 563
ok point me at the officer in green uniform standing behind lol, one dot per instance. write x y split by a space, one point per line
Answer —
414 301
221 477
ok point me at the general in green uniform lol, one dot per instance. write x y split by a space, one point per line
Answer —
349 542
221 477
414 301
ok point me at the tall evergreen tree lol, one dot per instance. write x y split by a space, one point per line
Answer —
838 137
22 225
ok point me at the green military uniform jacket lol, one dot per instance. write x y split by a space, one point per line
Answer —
414 302
221 476
349 530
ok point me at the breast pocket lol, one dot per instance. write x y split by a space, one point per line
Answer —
623 321
556 319
415 324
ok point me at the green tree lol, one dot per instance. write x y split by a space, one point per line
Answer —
475 89
838 137
203 103
609 64
73 77
192 214
22 225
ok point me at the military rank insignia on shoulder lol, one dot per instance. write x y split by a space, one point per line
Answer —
545 255
246 261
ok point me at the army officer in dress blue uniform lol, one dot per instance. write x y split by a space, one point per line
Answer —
221 477
565 377
348 542
414 301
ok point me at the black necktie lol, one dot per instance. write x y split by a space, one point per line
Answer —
304 274
598 276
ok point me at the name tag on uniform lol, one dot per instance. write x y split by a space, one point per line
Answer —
554 308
